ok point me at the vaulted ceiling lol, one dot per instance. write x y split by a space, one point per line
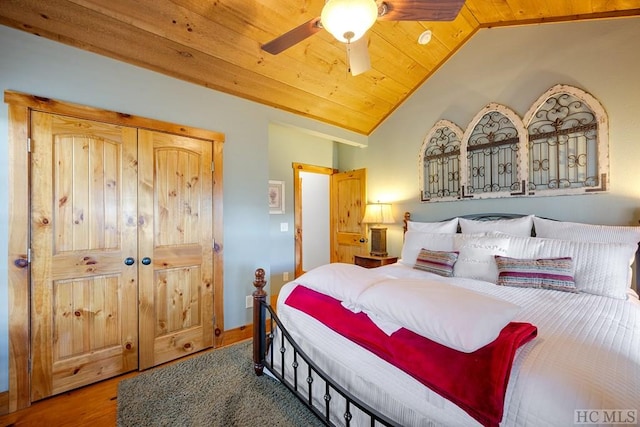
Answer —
216 44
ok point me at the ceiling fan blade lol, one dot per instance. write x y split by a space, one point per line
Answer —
421 10
358 55
292 37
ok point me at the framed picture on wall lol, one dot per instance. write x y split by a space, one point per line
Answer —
276 197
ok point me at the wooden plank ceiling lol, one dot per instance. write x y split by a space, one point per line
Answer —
216 44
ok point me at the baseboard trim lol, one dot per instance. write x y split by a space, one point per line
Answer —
4 402
232 336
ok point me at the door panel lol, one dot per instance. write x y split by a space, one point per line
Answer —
84 298
348 196
175 233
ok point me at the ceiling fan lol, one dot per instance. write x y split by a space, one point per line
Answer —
349 20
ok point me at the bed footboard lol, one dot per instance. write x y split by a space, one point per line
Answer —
334 405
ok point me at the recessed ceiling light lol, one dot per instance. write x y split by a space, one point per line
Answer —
425 37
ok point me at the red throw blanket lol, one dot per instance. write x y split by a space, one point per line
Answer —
476 382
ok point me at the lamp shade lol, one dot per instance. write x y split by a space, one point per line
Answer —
378 213
348 20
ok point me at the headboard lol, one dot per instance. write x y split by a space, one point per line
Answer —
475 217
497 216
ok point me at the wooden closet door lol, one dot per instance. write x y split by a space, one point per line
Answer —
175 246
84 325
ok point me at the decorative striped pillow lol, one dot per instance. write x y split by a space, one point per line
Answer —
437 262
547 273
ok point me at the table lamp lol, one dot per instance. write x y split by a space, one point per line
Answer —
378 214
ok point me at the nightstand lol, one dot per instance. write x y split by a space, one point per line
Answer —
369 261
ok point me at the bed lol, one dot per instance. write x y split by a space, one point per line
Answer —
485 320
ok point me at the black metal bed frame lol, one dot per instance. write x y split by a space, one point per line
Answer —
263 341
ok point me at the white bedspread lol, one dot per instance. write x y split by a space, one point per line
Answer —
586 357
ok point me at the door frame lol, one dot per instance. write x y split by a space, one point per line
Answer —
297 208
20 106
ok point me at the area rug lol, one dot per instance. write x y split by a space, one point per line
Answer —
218 388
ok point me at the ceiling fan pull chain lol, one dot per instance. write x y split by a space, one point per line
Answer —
348 53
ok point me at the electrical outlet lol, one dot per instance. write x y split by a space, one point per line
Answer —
285 276
249 301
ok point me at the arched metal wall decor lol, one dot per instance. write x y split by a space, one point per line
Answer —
561 147
494 147
439 162
568 143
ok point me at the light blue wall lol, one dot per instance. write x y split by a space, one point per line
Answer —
41 67
513 67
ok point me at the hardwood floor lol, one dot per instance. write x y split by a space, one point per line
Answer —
94 405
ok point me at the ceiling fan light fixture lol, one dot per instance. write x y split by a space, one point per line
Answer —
348 20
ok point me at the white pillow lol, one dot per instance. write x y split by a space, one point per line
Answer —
515 226
414 241
476 259
456 317
450 226
599 268
586 232
341 281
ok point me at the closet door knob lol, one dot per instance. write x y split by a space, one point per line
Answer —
129 261
146 260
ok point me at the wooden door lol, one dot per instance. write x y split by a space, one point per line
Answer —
84 325
348 201
175 246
